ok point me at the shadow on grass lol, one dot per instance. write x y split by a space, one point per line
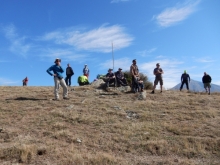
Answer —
26 98
108 94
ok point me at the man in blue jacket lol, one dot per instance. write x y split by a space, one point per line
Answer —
58 79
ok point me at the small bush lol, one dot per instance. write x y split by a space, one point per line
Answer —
143 77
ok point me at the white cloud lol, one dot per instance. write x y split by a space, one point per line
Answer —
146 52
18 44
123 63
174 15
205 60
96 40
216 82
64 54
117 1
4 81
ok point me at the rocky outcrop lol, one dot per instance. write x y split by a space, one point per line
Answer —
120 89
98 83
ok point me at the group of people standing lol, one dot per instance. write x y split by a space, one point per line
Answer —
158 71
137 83
206 79
116 78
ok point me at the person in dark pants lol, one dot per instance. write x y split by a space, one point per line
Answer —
135 74
185 79
158 78
69 73
206 79
121 80
25 81
110 78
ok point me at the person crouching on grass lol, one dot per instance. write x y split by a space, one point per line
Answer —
58 79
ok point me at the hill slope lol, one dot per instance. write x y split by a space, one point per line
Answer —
97 127
197 86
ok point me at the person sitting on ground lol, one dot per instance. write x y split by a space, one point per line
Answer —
121 80
110 78
83 80
206 79
185 79
25 81
140 84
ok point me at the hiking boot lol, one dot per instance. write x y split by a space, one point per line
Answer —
107 89
56 99
66 98
152 92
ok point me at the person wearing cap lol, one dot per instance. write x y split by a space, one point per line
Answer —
206 79
110 78
158 77
185 79
121 80
86 71
69 73
56 71
135 74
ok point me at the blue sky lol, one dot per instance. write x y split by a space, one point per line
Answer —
178 34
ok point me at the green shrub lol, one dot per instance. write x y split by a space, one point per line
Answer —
143 77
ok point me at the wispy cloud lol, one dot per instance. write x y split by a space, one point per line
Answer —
123 63
4 81
174 15
117 1
65 54
96 40
205 60
18 44
146 52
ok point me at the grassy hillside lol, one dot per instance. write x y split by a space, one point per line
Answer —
95 127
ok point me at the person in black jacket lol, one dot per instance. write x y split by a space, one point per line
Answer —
110 78
121 80
69 73
185 79
206 79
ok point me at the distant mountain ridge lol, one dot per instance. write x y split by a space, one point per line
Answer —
197 86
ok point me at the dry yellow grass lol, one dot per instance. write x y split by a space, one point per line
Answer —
95 127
